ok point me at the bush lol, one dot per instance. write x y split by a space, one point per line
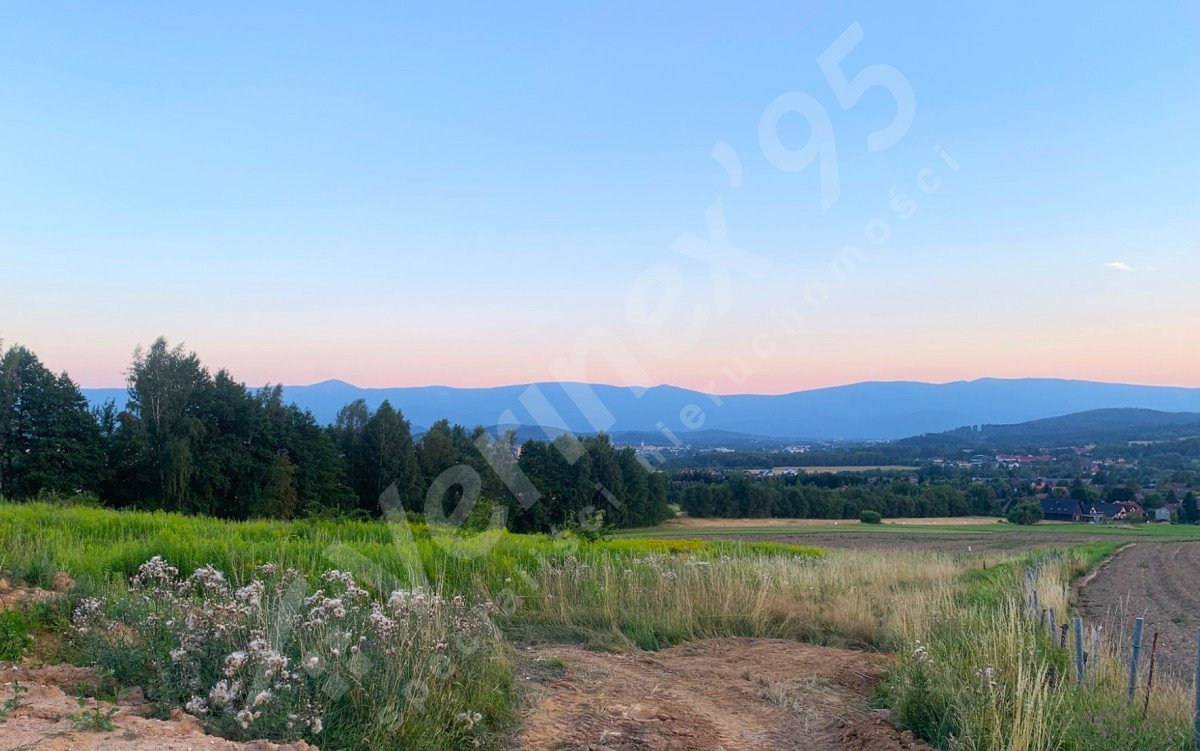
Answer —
481 518
589 528
1026 512
86 498
14 635
870 517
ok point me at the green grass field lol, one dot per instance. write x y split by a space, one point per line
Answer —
38 539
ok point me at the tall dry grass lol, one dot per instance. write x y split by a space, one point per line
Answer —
844 598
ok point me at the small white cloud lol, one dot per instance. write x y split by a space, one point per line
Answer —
1120 266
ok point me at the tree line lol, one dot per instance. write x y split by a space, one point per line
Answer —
193 442
737 496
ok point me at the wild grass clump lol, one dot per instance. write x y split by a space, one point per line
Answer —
267 658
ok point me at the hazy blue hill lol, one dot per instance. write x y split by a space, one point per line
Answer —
1095 426
97 397
856 412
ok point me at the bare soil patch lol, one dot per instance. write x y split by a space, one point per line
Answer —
731 694
21 597
1155 581
41 721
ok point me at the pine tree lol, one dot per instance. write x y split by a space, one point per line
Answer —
50 441
1191 512
378 451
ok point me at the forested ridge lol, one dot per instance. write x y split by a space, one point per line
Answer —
195 442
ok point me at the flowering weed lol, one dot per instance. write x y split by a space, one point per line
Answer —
268 658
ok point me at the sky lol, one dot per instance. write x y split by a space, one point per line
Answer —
764 199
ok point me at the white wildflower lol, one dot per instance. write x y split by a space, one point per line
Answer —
245 717
234 663
252 593
196 705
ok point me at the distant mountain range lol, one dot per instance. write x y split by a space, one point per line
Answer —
864 411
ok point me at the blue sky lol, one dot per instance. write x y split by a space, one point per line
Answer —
399 196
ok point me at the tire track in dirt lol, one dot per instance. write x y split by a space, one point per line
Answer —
1156 581
730 694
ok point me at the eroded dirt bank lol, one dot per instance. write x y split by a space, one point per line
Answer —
42 720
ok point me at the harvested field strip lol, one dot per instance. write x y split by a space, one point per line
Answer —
1155 582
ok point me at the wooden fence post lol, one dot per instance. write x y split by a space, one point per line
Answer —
1135 657
1053 624
1150 679
1079 650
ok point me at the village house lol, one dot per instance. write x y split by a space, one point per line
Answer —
1061 509
1098 513
1167 513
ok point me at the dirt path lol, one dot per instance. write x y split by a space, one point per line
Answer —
1156 581
720 694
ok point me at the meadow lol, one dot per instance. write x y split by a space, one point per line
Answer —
406 633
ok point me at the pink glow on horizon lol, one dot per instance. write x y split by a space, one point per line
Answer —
1112 351
102 376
